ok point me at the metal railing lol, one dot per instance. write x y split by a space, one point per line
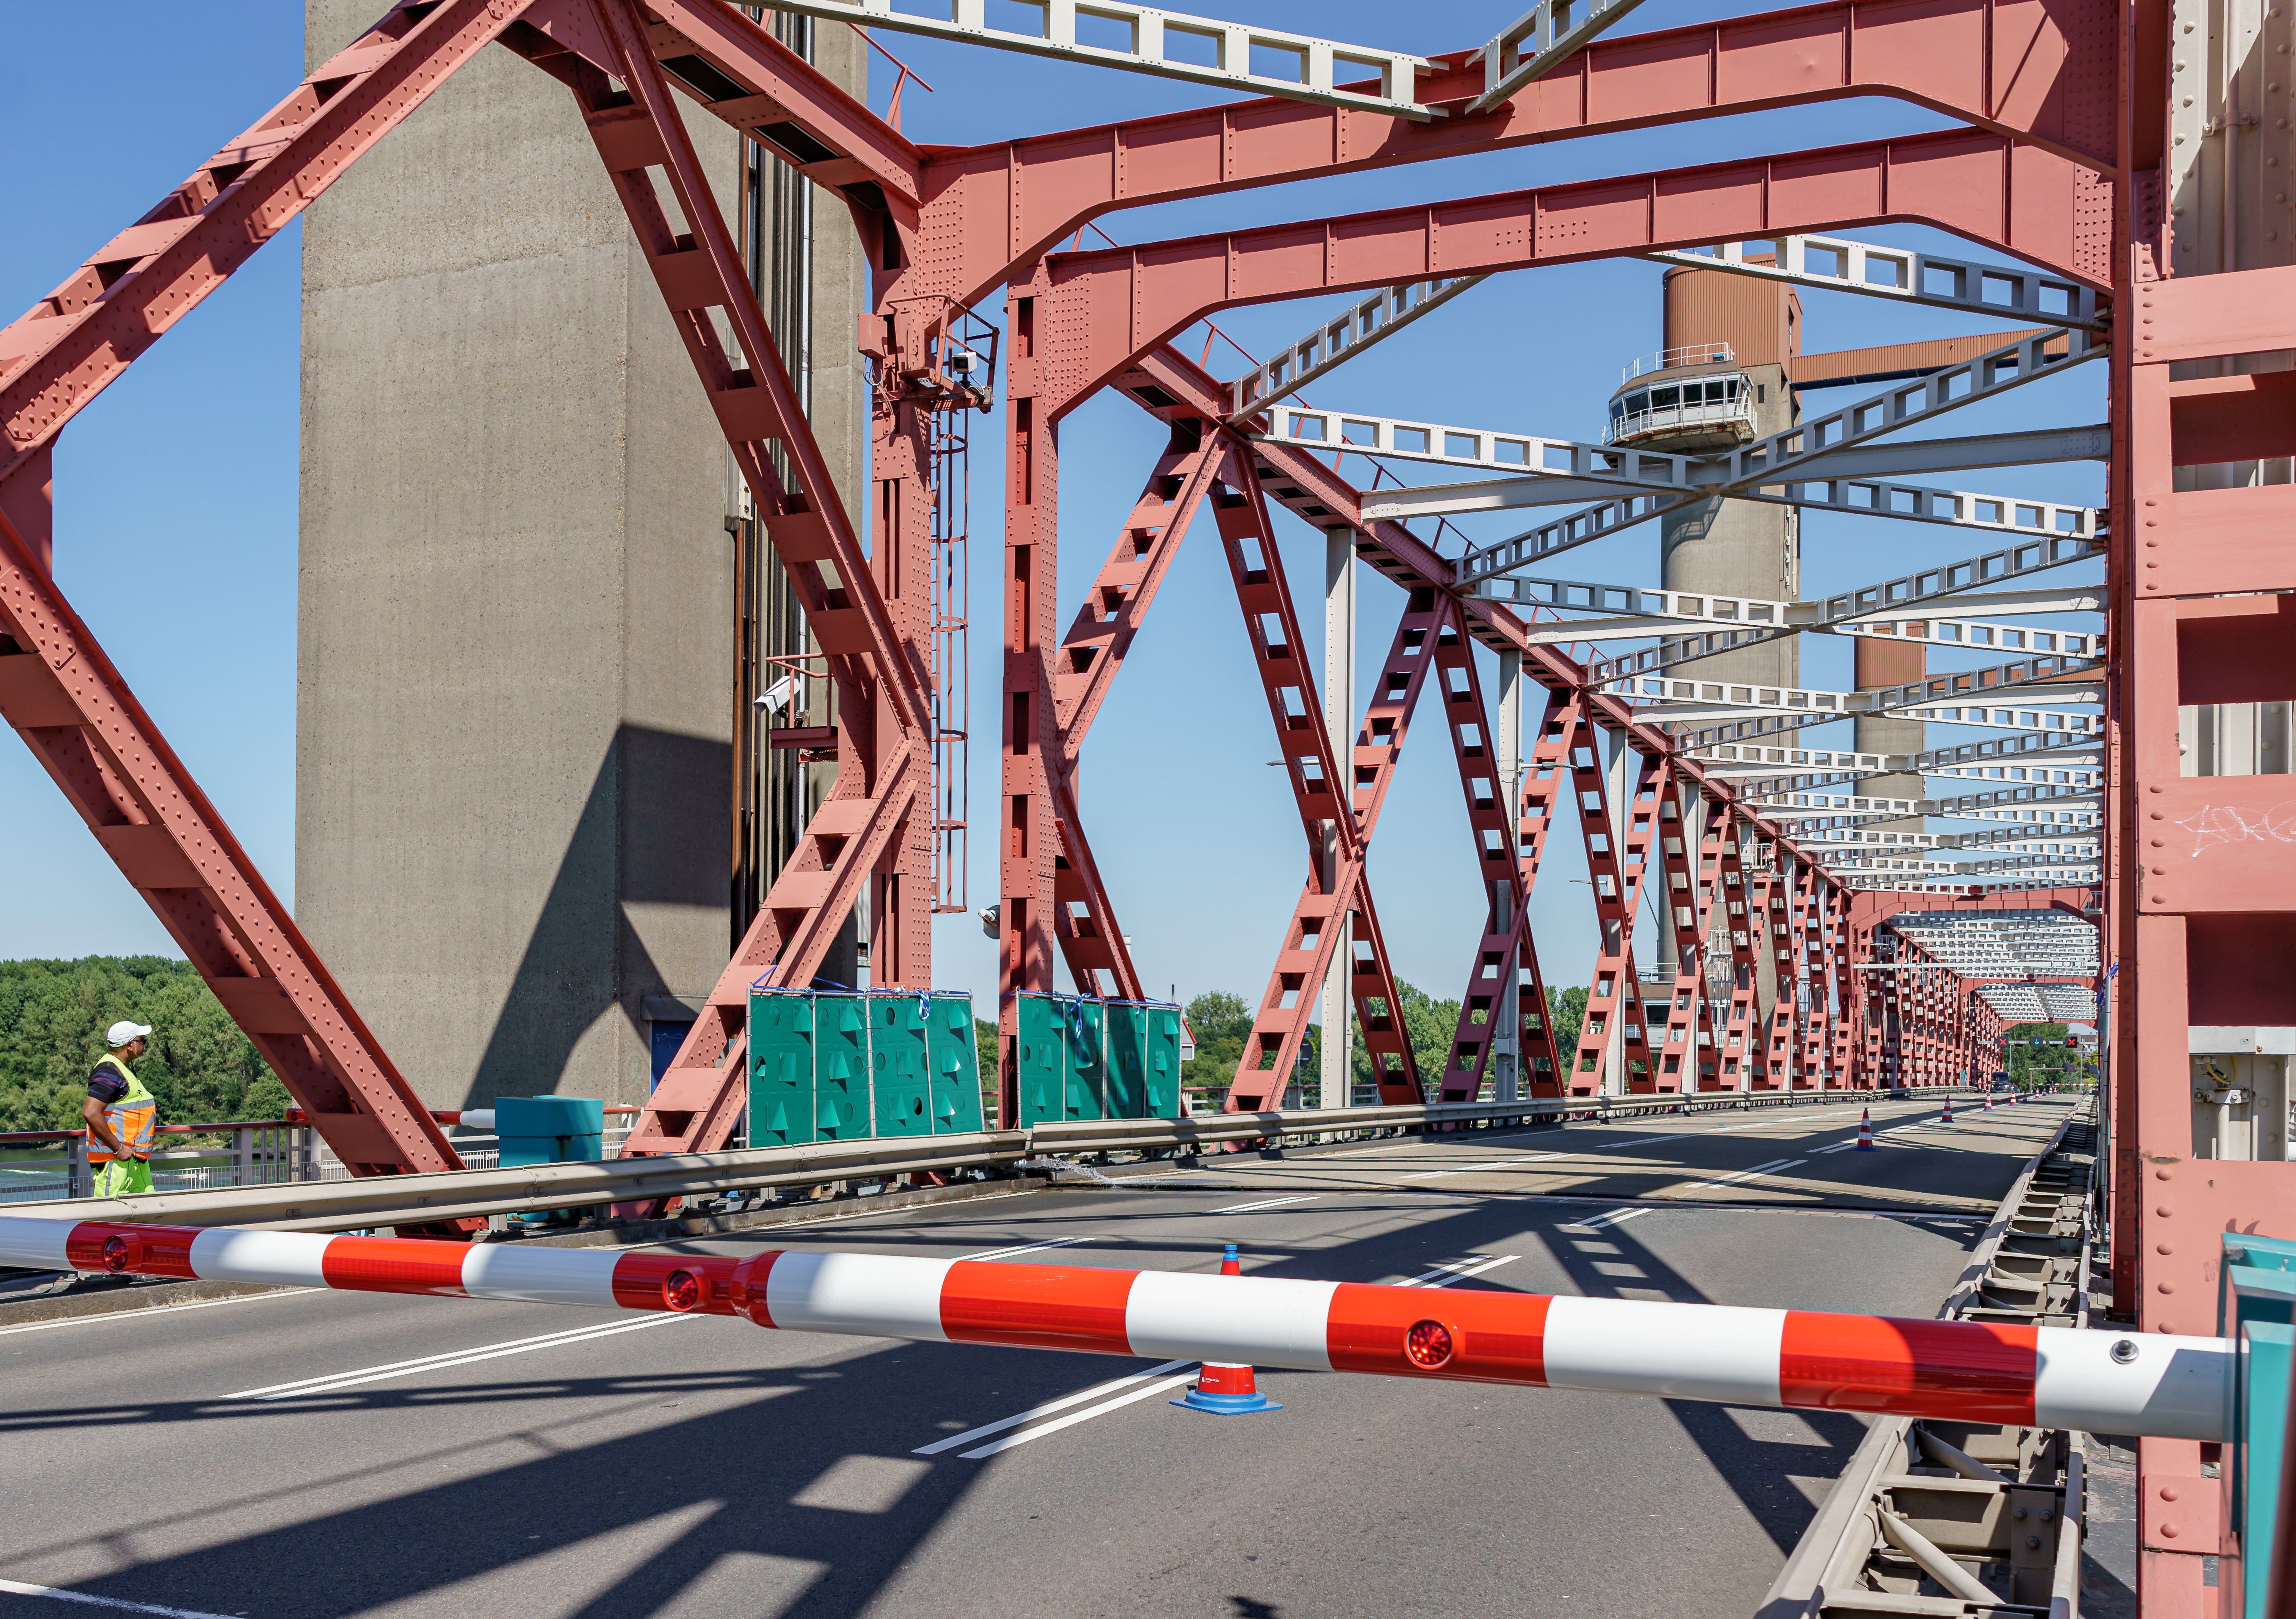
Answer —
38 1166
1670 417
351 1205
1668 359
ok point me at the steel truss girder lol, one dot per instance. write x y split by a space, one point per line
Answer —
1338 829
2031 294
637 129
1509 937
1045 186
1085 666
1232 44
1618 836
1689 864
1318 495
1117 304
1507 875
63 696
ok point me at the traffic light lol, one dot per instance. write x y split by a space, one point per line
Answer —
2072 1043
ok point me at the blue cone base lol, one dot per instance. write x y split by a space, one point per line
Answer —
1864 1147
1227 1405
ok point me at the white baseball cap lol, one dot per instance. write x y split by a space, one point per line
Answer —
122 1032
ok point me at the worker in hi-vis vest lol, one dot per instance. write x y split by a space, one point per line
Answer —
121 1116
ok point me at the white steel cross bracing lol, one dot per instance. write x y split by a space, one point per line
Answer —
1919 503
1547 34
1984 376
1167 45
1840 812
1363 323
2017 291
1396 438
1677 700
1643 610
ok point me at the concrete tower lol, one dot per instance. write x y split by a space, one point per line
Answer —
1738 547
521 841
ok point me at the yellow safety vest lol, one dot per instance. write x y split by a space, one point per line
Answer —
133 1117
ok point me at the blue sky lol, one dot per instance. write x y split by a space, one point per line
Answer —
176 489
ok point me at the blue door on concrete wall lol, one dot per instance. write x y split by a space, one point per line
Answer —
665 1037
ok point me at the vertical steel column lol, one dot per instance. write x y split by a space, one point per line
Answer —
1028 828
1337 1056
1506 1013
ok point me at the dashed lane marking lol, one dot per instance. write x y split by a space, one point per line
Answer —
439 1363
1245 1208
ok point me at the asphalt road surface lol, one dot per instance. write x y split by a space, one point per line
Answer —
316 1453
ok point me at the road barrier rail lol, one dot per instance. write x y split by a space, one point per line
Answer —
1954 1371
385 1200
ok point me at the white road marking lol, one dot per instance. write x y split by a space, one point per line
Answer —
1609 1217
1459 1270
162 1311
460 1357
1245 1208
1046 1410
1085 1415
1676 1135
1755 1173
1477 1169
17 1588
1026 1247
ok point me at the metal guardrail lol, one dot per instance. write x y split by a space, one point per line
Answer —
260 1152
336 1206
1885 1538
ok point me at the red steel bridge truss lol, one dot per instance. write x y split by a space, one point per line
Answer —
1811 952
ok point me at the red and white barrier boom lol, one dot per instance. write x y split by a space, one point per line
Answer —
2155 1385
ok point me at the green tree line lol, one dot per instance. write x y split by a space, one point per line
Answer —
53 1018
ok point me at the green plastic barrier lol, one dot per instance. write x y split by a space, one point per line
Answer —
897 1064
1042 1058
1127 1059
840 1068
1088 1065
2256 1303
955 1058
1163 1063
781 1069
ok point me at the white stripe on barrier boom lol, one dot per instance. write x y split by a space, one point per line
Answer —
2156 1385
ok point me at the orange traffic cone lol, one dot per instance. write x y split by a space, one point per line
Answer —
1948 1110
1989 1101
1221 1387
1866 1132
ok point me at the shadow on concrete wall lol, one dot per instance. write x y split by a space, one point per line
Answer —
655 829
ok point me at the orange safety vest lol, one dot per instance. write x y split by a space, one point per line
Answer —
133 1117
